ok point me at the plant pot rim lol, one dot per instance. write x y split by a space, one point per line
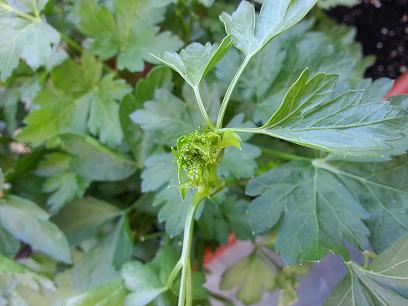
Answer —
400 86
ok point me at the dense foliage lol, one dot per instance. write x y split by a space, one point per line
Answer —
117 171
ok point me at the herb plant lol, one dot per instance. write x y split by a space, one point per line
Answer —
300 156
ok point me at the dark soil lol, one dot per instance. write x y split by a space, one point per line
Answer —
382 29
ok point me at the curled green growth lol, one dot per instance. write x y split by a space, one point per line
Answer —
198 155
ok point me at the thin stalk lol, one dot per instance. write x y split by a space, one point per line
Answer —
70 42
269 257
9 8
230 89
202 108
246 130
36 10
368 255
284 155
221 298
185 293
150 236
174 274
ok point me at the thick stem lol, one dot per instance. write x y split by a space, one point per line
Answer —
202 108
230 89
185 293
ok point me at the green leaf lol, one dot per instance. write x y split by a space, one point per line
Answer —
401 101
194 62
143 281
148 282
160 174
19 90
81 219
9 246
15 276
27 222
103 261
158 77
334 197
167 117
78 99
24 35
252 275
383 282
344 124
173 209
251 35
62 182
382 192
240 163
104 111
10 266
160 171
212 224
112 293
58 113
1 181
263 84
223 214
235 212
319 213
124 242
207 3
164 262
166 112
128 30
95 162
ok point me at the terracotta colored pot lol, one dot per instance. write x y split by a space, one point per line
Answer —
210 255
400 86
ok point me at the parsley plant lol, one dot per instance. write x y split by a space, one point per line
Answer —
271 136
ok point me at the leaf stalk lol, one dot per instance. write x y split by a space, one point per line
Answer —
202 108
230 89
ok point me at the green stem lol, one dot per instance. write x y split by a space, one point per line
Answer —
269 257
367 256
202 108
185 293
70 42
230 89
174 274
189 289
244 130
19 13
284 155
150 236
